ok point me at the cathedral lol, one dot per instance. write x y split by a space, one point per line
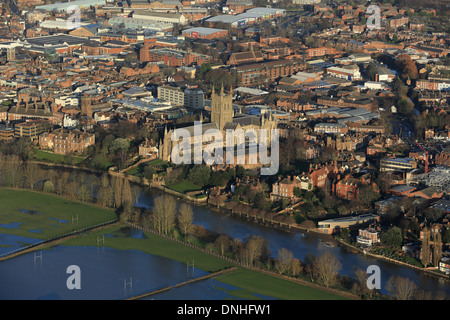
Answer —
223 118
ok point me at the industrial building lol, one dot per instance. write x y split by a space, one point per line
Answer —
204 33
249 17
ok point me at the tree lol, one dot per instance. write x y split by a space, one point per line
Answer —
149 172
297 192
360 287
48 187
199 175
223 243
119 143
32 174
256 248
164 212
105 194
393 237
284 261
367 196
401 288
185 218
117 184
407 66
325 268
14 171
127 196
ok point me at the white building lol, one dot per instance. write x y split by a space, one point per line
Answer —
348 74
69 122
156 17
66 101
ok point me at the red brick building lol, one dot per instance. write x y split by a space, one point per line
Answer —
349 187
319 52
266 72
64 141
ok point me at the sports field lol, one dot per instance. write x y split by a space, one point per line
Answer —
43 216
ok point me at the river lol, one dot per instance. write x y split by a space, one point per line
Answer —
304 244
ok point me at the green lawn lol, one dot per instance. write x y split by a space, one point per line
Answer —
252 283
184 187
45 156
47 215
136 171
159 163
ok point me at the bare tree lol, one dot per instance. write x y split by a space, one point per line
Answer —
325 268
32 174
284 260
360 287
401 288
223 243
164 211
296 267
105 193
254 249
117 185
127 196
13 169
185 218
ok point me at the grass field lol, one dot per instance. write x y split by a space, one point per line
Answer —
41 155
184 187
46 215
252 282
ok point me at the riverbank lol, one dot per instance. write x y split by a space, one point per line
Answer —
377 256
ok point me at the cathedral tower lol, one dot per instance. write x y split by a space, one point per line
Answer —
221 108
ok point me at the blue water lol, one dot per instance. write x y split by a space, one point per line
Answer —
60 220
32 212
12 242
105 273
12 225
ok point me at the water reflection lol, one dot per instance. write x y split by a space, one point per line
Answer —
105 274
